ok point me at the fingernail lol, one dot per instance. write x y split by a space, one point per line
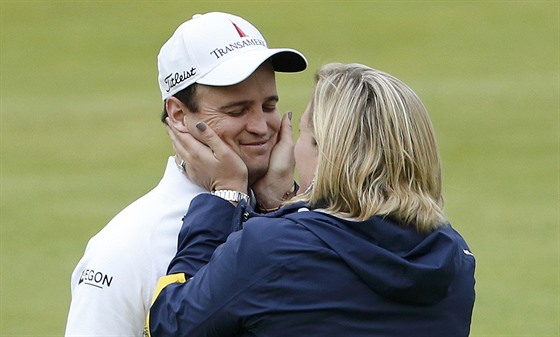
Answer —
201 126
289 115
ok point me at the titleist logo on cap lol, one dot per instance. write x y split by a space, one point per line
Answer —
175 79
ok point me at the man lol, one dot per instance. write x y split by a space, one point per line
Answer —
215 68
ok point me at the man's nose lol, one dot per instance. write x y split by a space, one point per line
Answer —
257 122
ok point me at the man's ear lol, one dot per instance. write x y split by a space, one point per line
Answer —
177 113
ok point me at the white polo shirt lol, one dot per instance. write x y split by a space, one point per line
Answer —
113 283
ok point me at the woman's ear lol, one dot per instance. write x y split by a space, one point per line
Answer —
177 113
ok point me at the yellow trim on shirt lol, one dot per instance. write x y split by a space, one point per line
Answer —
163 282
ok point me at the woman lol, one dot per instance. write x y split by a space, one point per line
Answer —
365 250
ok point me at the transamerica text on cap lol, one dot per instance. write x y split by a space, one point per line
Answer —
219 52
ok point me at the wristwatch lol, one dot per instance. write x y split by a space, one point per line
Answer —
230 195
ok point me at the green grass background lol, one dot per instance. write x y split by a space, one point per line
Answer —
81 139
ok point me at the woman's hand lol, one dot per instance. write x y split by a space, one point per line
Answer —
278 182
209 162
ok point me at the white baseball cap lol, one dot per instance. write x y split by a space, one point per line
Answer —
218 49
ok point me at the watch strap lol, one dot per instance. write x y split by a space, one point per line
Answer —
231 195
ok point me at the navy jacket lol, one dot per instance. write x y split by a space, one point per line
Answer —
297 272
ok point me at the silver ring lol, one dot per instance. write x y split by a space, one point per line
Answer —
181 166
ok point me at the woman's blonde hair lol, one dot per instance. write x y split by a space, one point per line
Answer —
377 152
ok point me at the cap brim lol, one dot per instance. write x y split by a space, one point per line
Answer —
237 69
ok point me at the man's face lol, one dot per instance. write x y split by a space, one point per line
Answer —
245 117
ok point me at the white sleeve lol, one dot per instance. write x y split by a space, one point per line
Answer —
108 298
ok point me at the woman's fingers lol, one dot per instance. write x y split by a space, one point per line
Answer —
209 162
185 145
230 169
209 137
